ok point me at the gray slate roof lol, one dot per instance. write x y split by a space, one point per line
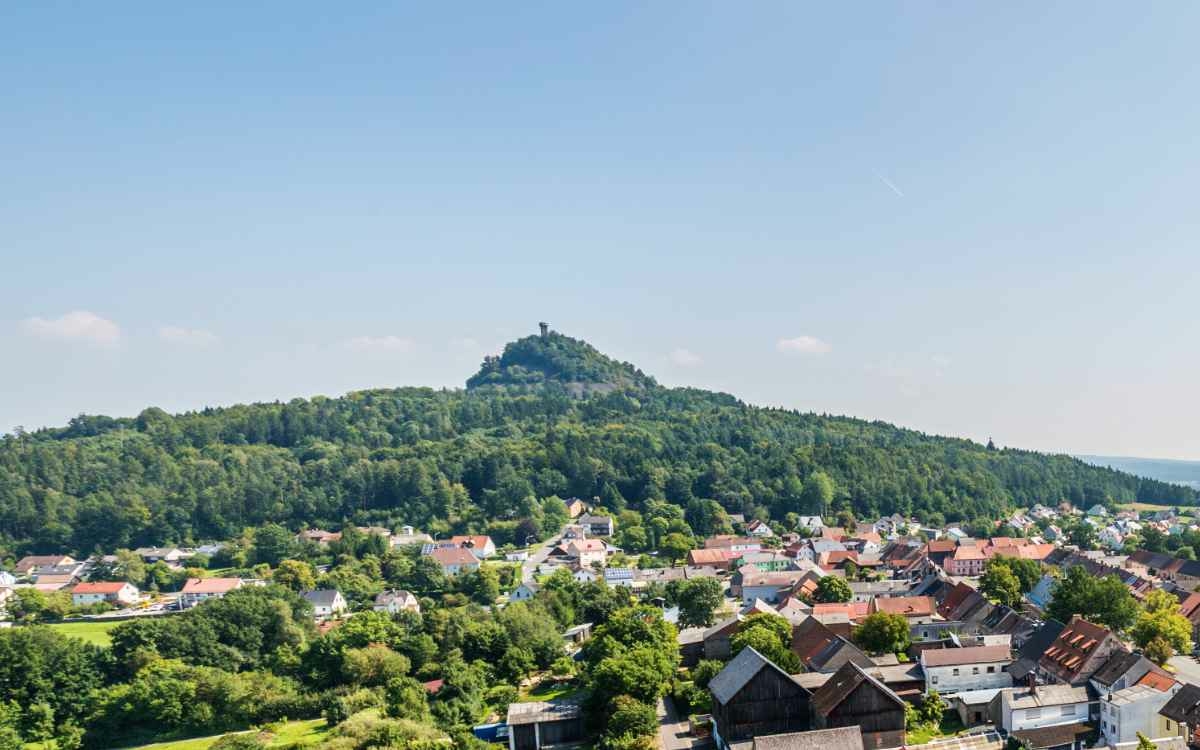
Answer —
321 598
842 738
739 671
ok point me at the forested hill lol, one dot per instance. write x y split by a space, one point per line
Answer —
476 459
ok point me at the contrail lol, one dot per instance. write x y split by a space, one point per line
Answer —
888 182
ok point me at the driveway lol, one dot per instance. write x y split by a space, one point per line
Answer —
1186 667
673 730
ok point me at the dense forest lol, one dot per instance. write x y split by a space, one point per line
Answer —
551 416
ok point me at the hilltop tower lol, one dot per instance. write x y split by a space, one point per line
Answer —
545 329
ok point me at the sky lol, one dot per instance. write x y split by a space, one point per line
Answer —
969 219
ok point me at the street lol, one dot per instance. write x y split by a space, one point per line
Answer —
1186 668
537 556
672 731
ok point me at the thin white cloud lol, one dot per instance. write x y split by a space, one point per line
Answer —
888 182
187 336
392 344
684 358
79 325
806 345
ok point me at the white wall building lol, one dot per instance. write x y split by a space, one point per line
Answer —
1135 709
1042 706
953 670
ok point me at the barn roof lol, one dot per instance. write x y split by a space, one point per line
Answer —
739 671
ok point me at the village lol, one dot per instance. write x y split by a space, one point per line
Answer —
966 665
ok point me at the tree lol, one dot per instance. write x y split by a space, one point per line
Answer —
882 633
1161 629
1105 601
817 493
771 636
272 543
1144 743
698 599
1082 535
295 575
832 589
705 670
628 718
1000 585
933 708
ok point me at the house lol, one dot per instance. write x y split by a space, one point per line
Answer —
7 580
619 577
582 574
822 650
954 670
972 705
1037 706
721 559
597 525
956 534
766 561
1123 669
517 556
852 697
408 537
394 601
111 592
525 591
50 583
967 560
455 560
576 507
587 553
865 591
170 555
533 725
1181 714
480 545
319 537
752 697
579 634
1126 713
1030 652
327 604
1053 534
30 564
1098 511
733 543
759 529
770 587
1080 649
1111 537
810 524
917 609
197 590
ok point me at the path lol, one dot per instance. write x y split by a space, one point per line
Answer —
538 555
673 732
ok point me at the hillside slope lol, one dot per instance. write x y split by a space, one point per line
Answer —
473 459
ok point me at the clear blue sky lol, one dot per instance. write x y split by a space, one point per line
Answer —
974 219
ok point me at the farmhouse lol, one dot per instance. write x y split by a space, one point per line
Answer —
752 696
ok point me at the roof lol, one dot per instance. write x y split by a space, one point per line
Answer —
976 697
211 585
842 738
475 541
1048 695
821 650
453 556
1184 706
541 711
1118 664
100 587
850 609
1047 737
969 552
738 672
844 682
708 556
1041 639
1133 694
1070 652
947 657
942 545
321 597
909 606
1157 679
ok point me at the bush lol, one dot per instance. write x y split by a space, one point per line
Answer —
239 741
705 670
339 705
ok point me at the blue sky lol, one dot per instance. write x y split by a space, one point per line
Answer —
968 219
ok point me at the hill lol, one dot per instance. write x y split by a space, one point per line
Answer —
1165 470
550 416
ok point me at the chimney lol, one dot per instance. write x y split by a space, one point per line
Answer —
1031 679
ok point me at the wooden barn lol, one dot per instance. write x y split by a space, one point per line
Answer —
752 696
534 725
851 697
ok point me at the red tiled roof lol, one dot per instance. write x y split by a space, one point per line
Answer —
453 556
969 552
211 585
948 657
942 545
99 587
909 606
1160 681
478 541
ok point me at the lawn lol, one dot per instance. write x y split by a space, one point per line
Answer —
923 733
1149 506
300 733
90 631
549 690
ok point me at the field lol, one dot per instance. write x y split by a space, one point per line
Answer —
300 733
91 631
1146 506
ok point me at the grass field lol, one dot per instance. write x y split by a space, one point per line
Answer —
302 733
92 631
548 690
1144 506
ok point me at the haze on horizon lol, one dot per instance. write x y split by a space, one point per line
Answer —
974 221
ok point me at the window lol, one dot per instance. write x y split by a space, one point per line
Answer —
974 670
933 679
1068 710
1033 713
956 671
992 669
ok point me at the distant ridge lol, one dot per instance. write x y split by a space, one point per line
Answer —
1175 471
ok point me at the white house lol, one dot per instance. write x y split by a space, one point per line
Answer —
619 577
584 575
520 555
1041 706
7 580
956 533
327 604
394 601
524 592
1135 709
759 529
1110 536
480 545
953 670
112 592
455 560
197 590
